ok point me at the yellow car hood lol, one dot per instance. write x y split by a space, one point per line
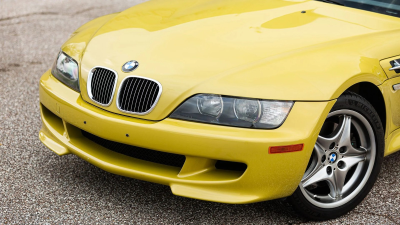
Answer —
268 49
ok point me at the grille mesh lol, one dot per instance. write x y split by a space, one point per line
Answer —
138 95
138 153
102 85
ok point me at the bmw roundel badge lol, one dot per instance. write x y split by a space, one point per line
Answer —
130 66
332 157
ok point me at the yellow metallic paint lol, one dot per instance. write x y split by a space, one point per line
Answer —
210 49
240 48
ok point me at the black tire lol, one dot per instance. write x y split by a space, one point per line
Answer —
354 102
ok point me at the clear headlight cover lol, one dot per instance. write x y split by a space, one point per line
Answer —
231 111
66 70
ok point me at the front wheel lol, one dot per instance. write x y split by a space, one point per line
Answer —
345 163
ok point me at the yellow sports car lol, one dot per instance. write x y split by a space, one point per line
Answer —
234 101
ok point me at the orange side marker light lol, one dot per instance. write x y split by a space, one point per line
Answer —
286 149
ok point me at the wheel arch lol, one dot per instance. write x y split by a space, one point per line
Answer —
372 94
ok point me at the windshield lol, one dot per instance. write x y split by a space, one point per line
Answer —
387 7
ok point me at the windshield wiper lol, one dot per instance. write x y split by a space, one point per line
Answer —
332 2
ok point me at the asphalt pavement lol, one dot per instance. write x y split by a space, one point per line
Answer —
37 186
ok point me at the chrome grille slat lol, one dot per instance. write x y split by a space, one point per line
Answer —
124 95
104 94
151 89
96 94
93 81
154 95
149 95
102 78
138 95
96 87
148 98
110 84
129 90
144 96
101 85
137 89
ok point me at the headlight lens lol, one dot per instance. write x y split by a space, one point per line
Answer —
247 110
210 105
66 70
231 111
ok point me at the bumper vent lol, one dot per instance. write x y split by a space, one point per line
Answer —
138 95
226 165
101 85
138 153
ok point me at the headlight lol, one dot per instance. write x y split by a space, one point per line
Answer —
65 69
231 111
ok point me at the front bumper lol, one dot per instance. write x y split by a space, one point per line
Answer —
268 176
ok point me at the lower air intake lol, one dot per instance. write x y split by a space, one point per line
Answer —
138 153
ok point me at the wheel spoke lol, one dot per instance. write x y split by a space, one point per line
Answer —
346 131
351 161
339 178
320 175
340 173
345 139
319 153
326 142
351 151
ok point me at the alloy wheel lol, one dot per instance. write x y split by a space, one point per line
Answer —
342 160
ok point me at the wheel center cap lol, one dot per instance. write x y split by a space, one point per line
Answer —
332 157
